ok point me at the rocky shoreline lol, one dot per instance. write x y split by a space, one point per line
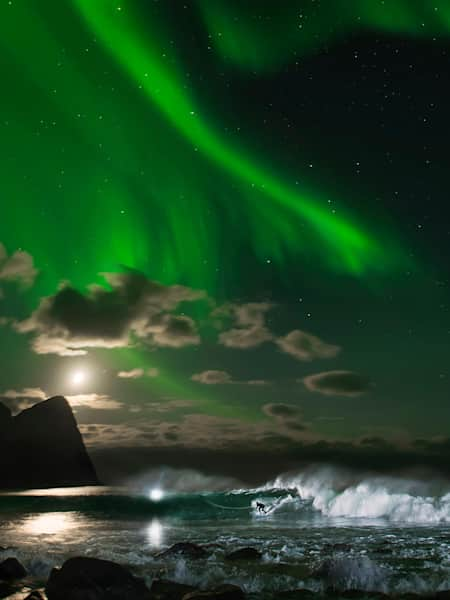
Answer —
87 578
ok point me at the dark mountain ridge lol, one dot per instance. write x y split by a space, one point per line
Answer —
42 447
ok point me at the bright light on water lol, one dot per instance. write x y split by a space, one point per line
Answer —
49 523
155 534
156 494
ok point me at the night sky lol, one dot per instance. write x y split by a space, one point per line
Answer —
225 228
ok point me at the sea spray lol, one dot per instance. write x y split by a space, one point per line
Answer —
342 493
180 480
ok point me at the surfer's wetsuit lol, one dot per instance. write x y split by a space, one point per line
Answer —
261 507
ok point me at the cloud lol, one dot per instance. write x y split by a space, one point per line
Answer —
68 345
137 373
70 322
305 346
116 435
199 430
215 377
212 377
94 402
288 418
19 400
195 430
175 331
250 330
25 393
245 338
166 405
18 267
133 374
281 410
340 383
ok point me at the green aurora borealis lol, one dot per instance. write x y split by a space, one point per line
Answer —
275 211
204 143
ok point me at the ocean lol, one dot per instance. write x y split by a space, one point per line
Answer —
324 529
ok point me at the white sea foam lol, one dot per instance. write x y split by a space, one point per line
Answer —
340 493
354 573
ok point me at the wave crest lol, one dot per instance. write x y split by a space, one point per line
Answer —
339 493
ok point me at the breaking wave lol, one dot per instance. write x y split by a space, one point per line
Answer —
340 493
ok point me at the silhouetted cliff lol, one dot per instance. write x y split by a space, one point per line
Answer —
42 447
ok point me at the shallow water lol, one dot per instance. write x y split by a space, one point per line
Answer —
390 535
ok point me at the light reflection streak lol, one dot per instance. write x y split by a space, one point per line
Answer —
155 533
50 523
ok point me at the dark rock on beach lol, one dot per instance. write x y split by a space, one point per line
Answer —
244 554
186 549
224 592
162 589
41 447
6 590
11 569
36 595
94 579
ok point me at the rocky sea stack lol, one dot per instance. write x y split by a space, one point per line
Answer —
42 447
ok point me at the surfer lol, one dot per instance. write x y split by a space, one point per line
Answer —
260 507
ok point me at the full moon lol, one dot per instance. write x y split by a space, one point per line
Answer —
78 377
